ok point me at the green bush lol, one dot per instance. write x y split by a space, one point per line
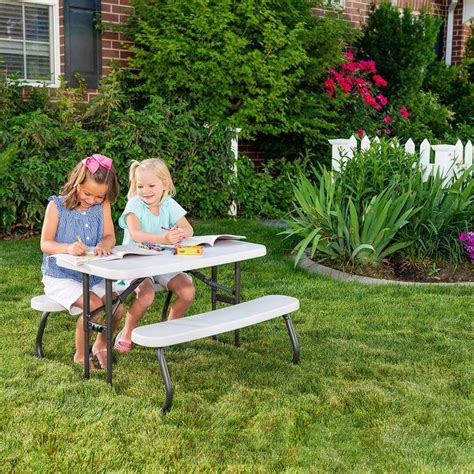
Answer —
379 204
331 225
268 193
41 142
254 65
428 119
402 45
454 86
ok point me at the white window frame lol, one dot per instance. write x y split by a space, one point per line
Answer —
54 40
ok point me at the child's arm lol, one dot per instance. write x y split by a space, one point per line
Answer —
138 235
48 233
185 227
108 238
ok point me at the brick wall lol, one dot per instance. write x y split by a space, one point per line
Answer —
114 44
460 34
357 11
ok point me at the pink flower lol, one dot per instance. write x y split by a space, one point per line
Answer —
387 119
349 56
360 132
329 83
371 66
345 83
359 81
382 100
404 112
329 86
369 100
368 66
379 81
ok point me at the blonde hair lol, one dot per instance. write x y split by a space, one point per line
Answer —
79 174
159 168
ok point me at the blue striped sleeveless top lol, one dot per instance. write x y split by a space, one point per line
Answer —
89 225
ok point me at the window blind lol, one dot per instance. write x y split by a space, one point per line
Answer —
25 40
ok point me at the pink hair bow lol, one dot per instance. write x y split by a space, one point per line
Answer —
93 162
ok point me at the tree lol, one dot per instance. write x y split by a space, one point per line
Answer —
254 64
402 45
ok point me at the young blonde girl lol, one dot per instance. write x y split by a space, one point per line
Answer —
153 216
79 218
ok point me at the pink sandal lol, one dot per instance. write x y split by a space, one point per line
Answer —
95 353
121 345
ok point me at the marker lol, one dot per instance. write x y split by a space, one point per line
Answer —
78 238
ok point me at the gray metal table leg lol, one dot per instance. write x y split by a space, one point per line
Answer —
85 317
167 380
39 335
109 323
294 339
237 299
164 311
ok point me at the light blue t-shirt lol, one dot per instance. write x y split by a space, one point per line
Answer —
170 213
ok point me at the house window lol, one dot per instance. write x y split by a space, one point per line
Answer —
29 40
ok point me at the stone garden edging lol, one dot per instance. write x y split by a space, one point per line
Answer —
307 264
313 267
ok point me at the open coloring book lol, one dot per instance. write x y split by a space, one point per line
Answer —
118 252
208 239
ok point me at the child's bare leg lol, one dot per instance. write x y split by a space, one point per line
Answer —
144 299
99 347
94 303
185 292
101 340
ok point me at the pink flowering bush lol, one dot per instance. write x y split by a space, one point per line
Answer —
355 90
468 240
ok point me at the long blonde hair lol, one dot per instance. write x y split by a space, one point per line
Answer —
159 168
79 174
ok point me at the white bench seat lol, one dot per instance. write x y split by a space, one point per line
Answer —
212 323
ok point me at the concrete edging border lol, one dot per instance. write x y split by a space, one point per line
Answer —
307 264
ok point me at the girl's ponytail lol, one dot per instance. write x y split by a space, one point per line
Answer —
133 179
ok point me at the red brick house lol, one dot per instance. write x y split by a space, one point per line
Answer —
41 39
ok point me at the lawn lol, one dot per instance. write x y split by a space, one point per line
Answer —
384 382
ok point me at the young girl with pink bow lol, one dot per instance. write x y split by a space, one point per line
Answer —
79 218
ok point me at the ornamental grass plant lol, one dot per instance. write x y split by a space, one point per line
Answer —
379 205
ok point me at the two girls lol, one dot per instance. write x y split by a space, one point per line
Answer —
80 217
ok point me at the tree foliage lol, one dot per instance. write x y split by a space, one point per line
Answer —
402 45
254 64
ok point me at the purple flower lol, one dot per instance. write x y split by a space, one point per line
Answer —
468 239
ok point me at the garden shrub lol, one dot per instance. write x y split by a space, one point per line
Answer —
268 193
254 65
41 142
428 119
355 92
454 87
401 44
379 204
329 223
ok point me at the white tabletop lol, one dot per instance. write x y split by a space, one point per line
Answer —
131 266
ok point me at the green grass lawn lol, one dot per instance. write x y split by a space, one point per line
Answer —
384 383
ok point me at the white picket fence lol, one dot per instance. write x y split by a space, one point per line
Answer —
448 160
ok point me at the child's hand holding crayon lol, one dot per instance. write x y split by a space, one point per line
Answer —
174 235
77 247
